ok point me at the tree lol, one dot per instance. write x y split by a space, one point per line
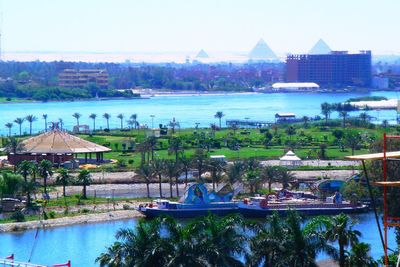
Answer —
144 246
305 121
360 256
84 178
93 116
14 145
107 117
200 161
44 116
121 117
235 172
344 114
77 116
9 125
45 171
185 164
173 124
216 168
268 174
10 184
284 176
326 110
364 117
64 179
290 131
25 169
285 242
175 146
30 119
322 150
19 121
339 229
158 168
133 117
353 140
219 115
146 172
61 122
171 170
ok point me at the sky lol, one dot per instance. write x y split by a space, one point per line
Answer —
188 25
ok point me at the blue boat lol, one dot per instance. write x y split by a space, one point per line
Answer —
196 202
259 207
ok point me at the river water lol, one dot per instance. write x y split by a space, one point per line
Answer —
83 243
186 109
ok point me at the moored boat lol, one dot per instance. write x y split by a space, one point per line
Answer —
197 201
260 207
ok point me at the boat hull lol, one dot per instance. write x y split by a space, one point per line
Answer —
186 213
257 212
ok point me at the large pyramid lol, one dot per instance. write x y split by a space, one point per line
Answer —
320 48
202 54
262 51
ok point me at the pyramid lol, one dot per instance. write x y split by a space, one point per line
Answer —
320 48
202 54
262 51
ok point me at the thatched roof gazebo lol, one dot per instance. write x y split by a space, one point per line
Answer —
57 146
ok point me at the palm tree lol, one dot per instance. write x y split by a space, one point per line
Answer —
219 116
133 117
305 121
93 117
107 117
14 145
185 164
121 117
64 178
61 122
30 119
284 176
76 115
171 171
326 110
175 146
200 161
143 246
269 175
45 171
84 178
151 143
158 168
340 229
19 121
216 168
9 125
24 168
235 172
44 116
146 172
352 139
360 256
344 114
173 124
364 117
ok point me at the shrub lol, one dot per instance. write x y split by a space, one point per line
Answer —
85 210
18 216
126 207
52 214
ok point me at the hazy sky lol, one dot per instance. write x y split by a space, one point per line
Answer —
188 25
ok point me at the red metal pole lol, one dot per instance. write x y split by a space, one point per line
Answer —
385 198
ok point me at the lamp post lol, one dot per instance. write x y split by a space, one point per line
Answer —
152 121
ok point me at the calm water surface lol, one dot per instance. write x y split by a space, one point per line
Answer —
186 109
83 243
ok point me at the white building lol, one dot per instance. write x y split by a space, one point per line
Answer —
295 87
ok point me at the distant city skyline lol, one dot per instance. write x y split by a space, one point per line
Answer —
161 26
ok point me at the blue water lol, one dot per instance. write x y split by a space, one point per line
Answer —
83 243
186 109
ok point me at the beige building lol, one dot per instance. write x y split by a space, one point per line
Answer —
72 78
